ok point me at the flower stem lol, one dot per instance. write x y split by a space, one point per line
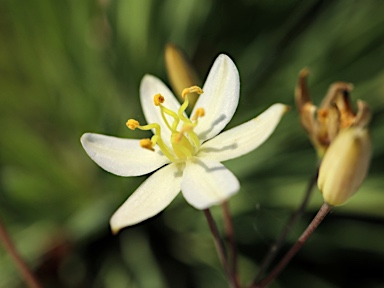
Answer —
270 256
219 245
18 260
232 244
324 210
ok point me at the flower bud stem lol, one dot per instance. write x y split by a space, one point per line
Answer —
274 249
230 235
17 259
220 247
324 210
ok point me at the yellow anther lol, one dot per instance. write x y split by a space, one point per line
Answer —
193 89
158 99
147 144
200 112
132 124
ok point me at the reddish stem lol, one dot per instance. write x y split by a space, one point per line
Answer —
232 243
324 210
24 270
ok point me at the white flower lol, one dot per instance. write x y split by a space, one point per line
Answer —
188 150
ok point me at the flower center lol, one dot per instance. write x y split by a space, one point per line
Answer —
184 141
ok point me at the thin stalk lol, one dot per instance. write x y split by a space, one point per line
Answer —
27 274
324 210
228 224
274 249
219 245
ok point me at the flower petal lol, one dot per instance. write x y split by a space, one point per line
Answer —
220 98
149 87
243 138
206 183
123 157
156 193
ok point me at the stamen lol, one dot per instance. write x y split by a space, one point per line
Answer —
158 99
151 126
193 89
156 139
132 124
147 144
200 112
184 141
171 113
182 108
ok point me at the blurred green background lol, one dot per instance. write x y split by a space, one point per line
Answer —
69 67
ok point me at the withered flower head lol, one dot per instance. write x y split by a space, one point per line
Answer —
334 114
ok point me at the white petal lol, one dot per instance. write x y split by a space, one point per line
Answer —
206 183
243 138
220 98
149 87
156 193
123 157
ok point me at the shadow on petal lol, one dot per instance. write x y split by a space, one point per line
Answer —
206 168
211 149
203 135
